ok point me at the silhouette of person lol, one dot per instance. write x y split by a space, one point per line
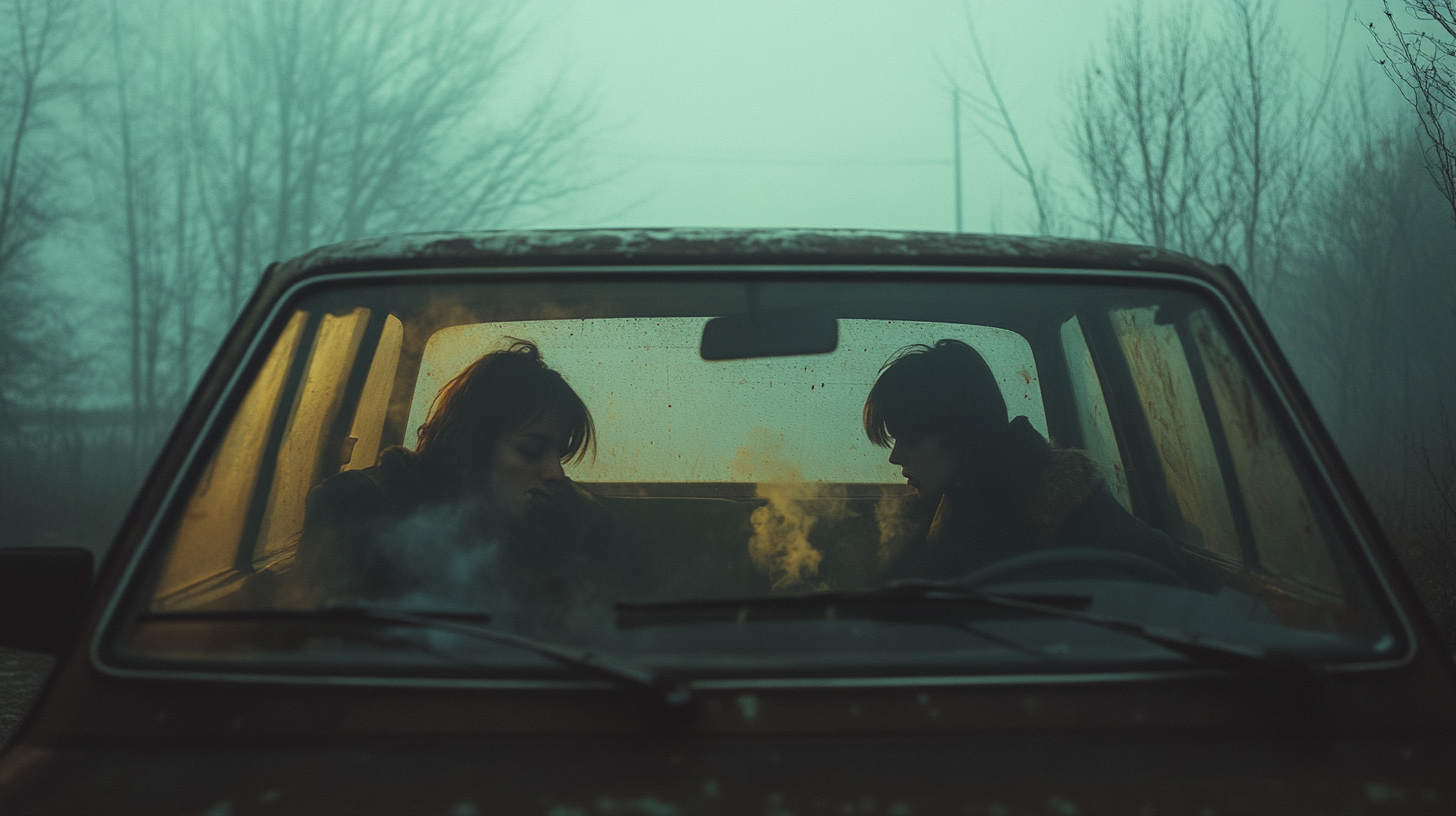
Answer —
482 505
989 489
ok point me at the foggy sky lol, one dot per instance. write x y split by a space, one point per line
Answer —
818 113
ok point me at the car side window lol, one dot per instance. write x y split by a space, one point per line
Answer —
1098 437
1169 396
1287 536
362 445
213 523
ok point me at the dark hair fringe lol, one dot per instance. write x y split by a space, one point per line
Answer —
499 392
946 388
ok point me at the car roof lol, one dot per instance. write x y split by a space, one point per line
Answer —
658 247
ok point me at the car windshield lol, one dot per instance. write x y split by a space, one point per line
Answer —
736 474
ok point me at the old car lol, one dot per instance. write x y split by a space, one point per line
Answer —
744 626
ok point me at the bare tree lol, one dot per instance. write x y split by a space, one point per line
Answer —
238 135
1200 141
994 122
144 164
1140 138
344 119
35 39
1271 125
1422 63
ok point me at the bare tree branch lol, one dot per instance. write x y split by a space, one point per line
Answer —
36 38
1022 165
1422 64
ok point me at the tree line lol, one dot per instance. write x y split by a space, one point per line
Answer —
198 142
1200 128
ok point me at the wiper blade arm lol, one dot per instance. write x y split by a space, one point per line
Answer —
870 603
1189 644
468 624
1209 651
343 612
880 604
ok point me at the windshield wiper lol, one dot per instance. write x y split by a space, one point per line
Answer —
468 624
907 601
1205 650
340 612
900 601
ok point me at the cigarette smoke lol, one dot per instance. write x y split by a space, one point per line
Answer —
454 557
780 544
897 523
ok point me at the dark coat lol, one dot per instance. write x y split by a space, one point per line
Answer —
1037 498
386 534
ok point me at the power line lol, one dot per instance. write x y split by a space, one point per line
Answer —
774 162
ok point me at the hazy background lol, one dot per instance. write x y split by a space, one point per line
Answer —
813 113
157 155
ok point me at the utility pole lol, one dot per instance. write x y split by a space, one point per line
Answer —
955 127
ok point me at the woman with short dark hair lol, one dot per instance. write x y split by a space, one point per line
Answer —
992 489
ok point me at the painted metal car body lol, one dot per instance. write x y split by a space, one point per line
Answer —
189 687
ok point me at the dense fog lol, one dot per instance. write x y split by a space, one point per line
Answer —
157 156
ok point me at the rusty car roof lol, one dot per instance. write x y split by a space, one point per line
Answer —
616 247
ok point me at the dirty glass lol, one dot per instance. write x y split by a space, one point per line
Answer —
1098 438
1288 536
755 420
214 520
734 519
1175 414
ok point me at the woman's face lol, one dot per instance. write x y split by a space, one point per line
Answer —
526 468
927 465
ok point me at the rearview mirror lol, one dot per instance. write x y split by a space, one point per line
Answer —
770 333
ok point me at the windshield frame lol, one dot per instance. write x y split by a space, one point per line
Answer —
125 605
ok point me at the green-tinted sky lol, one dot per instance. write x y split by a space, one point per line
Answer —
837 114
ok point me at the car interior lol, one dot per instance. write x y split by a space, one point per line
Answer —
698 456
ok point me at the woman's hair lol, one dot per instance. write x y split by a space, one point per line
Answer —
496 394
946 390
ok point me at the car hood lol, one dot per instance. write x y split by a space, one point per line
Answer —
666 774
